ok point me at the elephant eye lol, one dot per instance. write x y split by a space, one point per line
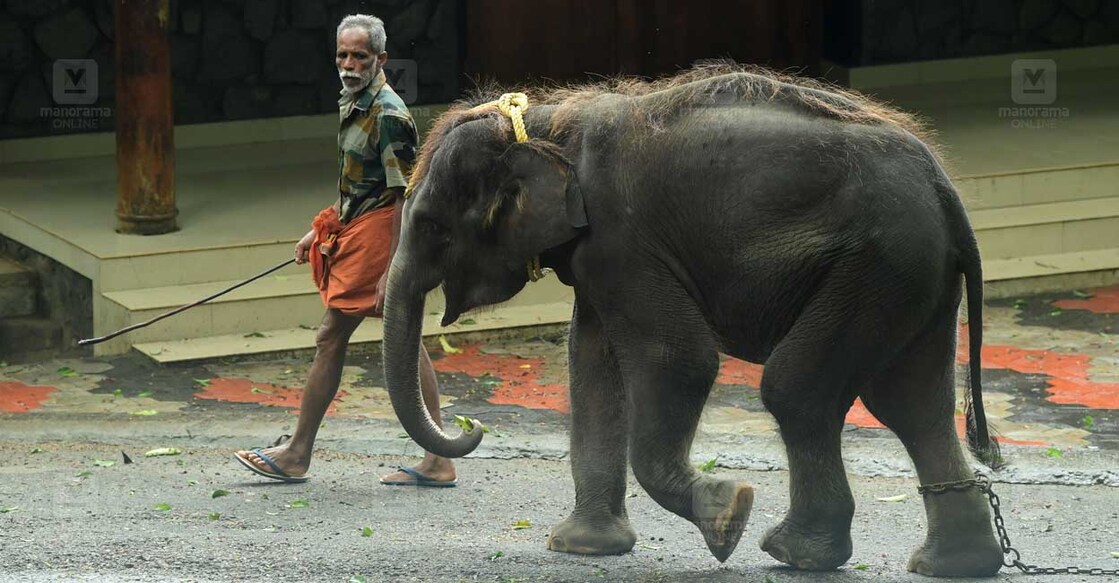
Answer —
430 228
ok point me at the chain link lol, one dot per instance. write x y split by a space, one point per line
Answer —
1012 557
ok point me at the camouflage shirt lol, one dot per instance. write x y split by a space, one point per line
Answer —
376 148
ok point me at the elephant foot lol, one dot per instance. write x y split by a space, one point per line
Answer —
602 535
966 556
810 548
722 508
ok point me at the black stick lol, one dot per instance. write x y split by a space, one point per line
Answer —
99 339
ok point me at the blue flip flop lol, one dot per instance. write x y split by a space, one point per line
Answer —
420 480
279 474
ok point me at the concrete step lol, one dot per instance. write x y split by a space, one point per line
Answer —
1053 272
194 266
1039 186
1047 229
18 290
288 303
507 317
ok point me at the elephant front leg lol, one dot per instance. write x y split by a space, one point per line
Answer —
598 525
667 381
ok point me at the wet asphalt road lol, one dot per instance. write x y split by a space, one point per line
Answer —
77 520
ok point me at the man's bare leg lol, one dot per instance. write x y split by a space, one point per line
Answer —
294 457
437 468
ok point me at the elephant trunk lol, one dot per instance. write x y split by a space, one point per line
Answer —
404 308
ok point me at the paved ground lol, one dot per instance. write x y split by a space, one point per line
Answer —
1052 390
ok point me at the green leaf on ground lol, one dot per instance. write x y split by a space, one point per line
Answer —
259 390
522 524
496 556
264 496
1114 555
215 516
467 322
67 372
306 327
897 498
708 465
7 509
403 436
84 474
144 394
255 335
192 482
202 382
161 451
862 566
1054 452
447 346
299 503
1055 312
1087 422
146 412
36 450
1019 304
3 364
1082 294
366 532
104 463
118 393
219 493
357 579
162 507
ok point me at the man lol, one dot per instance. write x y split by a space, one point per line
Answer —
350 247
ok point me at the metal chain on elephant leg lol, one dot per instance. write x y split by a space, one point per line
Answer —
1013 557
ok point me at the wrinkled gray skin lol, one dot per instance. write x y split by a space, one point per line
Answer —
830 251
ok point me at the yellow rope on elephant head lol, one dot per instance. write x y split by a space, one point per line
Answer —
513 105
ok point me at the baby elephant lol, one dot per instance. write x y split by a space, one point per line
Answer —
721 210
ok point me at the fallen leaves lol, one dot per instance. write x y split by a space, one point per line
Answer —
447 346
898 498
219 493
162 451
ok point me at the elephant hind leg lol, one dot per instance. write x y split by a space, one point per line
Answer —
915 398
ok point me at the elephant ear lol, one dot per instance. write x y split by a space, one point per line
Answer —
540 204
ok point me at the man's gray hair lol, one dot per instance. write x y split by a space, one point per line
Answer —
373 27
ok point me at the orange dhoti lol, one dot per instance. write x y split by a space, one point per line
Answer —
348 260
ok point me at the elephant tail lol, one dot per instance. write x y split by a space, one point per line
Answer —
979 439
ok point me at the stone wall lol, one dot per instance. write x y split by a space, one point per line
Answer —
915 30
231 59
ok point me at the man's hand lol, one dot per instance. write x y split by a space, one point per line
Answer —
379 295
303 247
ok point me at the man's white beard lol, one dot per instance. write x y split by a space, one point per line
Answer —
365 77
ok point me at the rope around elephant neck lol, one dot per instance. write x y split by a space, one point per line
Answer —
513 106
